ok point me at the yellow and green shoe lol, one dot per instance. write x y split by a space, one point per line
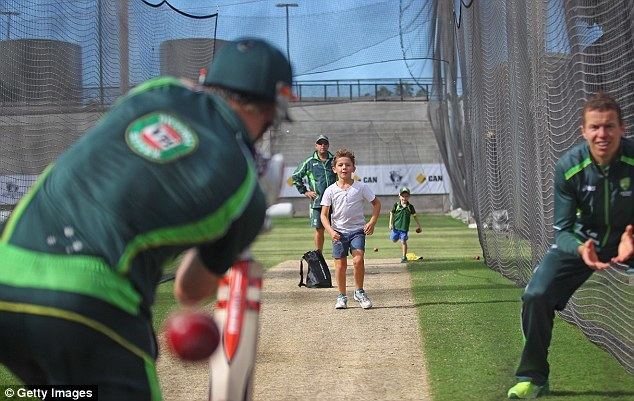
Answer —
527 391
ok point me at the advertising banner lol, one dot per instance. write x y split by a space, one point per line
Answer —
421 179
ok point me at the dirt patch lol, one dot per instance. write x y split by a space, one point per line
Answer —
309 351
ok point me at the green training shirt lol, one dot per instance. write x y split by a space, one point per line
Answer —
167 169
319 175
591 201
401 215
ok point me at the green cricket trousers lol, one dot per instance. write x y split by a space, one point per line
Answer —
555 279
77 339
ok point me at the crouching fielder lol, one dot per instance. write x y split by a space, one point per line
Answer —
594 218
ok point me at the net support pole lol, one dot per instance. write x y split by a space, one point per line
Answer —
124 56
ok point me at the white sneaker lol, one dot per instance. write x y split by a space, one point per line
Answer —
362 297
342 302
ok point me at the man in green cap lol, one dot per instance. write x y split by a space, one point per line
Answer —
318 173
170 168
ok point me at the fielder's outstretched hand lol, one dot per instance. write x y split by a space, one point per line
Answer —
590 258
626 246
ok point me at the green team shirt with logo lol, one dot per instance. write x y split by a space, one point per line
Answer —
319 175
167 169
592 201
401 215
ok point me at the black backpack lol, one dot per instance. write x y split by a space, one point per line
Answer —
318 274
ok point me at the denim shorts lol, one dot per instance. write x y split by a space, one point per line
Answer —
347 243
396 235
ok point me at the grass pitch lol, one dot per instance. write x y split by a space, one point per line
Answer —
468 315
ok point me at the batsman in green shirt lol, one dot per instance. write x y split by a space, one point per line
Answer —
594 219
170 168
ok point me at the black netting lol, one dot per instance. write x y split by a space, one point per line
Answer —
526 69
504 79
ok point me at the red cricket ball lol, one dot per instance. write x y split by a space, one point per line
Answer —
192 336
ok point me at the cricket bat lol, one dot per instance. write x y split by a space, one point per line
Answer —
237 314
237 309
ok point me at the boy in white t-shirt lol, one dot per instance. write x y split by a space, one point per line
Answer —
347 225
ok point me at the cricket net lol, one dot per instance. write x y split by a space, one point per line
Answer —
526 69
509 77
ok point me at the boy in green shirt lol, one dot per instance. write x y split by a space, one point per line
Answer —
400 216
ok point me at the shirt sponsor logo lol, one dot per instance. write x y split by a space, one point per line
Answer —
588 188
626 193
161 137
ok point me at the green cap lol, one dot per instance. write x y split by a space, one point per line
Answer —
322 138
404 189
251 66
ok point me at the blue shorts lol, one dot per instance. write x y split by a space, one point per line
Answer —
396 235
347 243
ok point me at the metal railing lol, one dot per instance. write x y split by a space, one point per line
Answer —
390 89
336 90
